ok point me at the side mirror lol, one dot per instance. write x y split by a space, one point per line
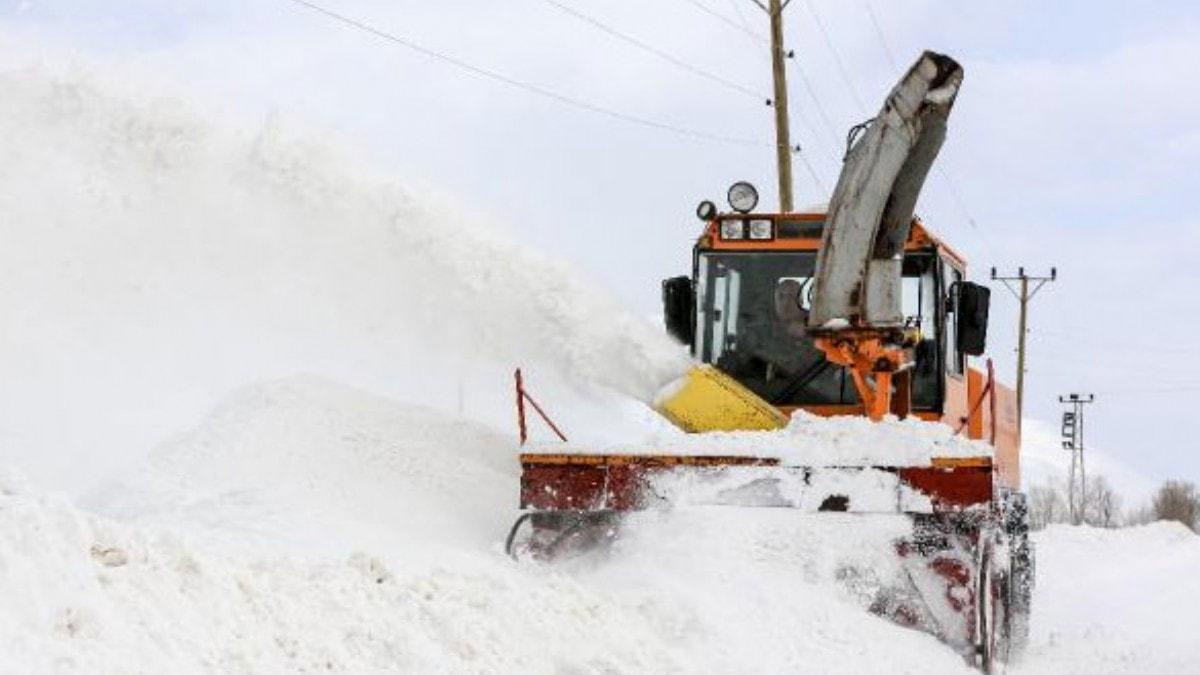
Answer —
679 305
972 301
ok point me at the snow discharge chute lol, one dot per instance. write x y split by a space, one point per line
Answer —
858 266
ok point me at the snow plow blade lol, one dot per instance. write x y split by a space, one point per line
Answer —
706 399
964 579
576 481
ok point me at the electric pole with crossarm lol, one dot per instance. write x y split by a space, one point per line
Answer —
1023 294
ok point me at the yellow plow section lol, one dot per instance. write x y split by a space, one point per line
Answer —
705 399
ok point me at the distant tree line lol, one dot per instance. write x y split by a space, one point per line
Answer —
1102 507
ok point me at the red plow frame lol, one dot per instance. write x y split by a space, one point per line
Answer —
962 555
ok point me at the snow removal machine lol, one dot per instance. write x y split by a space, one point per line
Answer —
854 309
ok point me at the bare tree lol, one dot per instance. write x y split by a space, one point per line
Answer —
1103 505
1178 500
1143 515
1047 505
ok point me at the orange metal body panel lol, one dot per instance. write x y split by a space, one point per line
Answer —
957 404
976 427
1008 437
920 237
710 239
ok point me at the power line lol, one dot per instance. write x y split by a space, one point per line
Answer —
837 58
883 42
744 29
812 94
1117 344
737 10
727 21
1162 390
1070 362
811 172
596 23
529 87
952 188
950 183
829 127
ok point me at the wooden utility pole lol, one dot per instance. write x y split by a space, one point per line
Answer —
783 139
1023 296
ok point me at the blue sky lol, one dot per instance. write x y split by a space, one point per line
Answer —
1074 144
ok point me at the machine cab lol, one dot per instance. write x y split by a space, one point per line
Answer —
744 309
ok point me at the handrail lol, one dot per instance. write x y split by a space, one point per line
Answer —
522 397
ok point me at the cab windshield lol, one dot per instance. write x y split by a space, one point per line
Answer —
751 311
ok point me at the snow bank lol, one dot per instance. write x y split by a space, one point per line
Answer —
811 440
323 466
88 595
1115 601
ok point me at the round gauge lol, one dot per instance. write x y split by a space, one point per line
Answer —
706 211
742 197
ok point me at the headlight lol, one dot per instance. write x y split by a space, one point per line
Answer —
733 229
706 211
742 197
761 229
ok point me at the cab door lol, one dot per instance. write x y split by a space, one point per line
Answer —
954 363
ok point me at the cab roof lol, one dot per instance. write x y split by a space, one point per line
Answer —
803 232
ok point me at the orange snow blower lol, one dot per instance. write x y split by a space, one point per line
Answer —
853 309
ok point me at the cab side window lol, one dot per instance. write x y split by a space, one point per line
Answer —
955 360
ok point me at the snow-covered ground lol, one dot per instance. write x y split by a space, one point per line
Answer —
306 525
157 264
1115 601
